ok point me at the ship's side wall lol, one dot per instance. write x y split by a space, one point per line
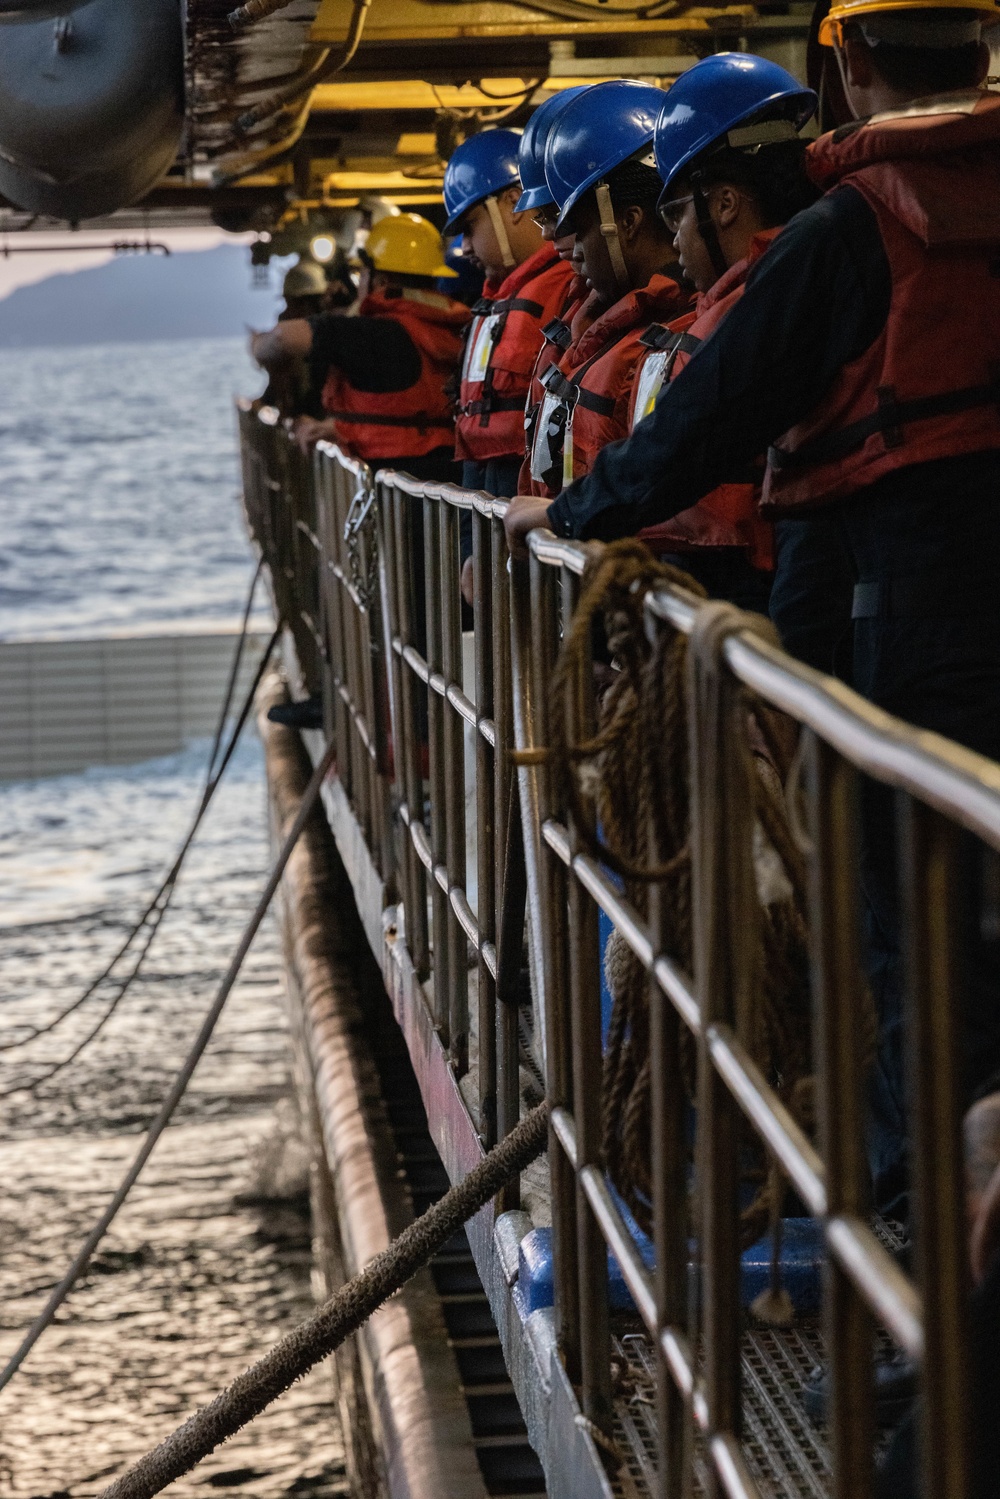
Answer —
412 1415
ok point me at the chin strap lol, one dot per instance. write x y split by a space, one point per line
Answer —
500 230
610 231
706 226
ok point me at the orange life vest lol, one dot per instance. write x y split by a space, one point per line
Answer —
379 426
503 341
586 399
929 385
559 336
729 516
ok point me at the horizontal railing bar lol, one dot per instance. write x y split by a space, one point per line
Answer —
593 878
415 661
438 682
309 534
730 1465
564 1129
619 912
769 1117
675 986
440 873
895 1301
549 549
462 704
418 837
610 1221
488 729
466 916
452 494
677 1352
956 781
353 465
557 838
621 1244
345 582
357 719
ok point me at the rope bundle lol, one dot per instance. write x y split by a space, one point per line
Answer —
628 789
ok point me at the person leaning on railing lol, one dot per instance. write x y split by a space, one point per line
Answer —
386 371
526 286
862 358
606 197
728 150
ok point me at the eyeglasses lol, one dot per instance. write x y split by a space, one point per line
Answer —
546 218
671 213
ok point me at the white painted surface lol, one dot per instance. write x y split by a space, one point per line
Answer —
69 704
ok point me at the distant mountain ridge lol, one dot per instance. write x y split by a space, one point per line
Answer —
138 299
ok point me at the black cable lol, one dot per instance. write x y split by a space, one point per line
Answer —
153 908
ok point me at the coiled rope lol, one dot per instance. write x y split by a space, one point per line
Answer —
156 907
180 1082
341 1316
628 788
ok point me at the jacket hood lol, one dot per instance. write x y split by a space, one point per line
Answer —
734 278
662 300
418 305
543 257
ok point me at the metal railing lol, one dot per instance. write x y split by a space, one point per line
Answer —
413 723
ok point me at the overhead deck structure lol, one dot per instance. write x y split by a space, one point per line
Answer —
272 132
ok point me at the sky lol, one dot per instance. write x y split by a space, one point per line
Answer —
22 269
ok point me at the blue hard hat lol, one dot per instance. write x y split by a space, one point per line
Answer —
531 155
600 129
719 94
484 164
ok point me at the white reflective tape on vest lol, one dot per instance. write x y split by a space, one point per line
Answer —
649 384
549 430
480 347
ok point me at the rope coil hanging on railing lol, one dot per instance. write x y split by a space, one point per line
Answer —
628 790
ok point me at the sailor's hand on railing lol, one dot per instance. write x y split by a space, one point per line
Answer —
523 515
307 432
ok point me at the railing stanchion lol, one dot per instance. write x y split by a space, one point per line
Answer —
838 995
448 601
934 889
487 832
440 905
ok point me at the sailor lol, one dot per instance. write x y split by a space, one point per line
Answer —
728 141
862 358
387 370
536 197
526 285
293 389
607 194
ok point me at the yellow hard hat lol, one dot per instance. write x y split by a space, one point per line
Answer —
831 27
408 244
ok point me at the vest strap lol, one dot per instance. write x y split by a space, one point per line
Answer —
889 419
420 420
486 308
658 337
490 404
559 333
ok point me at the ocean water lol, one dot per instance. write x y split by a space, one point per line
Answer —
119 493
119 484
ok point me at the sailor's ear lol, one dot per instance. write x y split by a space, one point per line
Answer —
631 221
726 204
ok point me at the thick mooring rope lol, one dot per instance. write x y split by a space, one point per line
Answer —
341 1316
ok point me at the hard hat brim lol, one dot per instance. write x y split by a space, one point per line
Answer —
831 22
533 197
